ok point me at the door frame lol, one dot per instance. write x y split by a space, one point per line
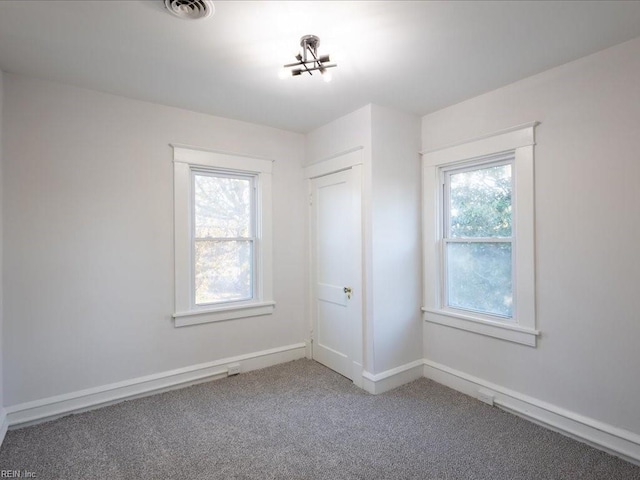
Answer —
348 160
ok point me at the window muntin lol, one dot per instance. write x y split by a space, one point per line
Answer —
478 232
223 237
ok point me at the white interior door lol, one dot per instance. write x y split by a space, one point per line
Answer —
336 276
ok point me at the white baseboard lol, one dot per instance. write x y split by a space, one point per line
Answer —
613 440
390 379
50 408
4 424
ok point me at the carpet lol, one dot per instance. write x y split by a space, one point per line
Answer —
300 420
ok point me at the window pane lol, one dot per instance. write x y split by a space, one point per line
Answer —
222 206
479 277
480 202
223 270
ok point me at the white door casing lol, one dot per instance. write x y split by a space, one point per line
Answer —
336 267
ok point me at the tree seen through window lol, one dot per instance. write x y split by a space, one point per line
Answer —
223 238
478 239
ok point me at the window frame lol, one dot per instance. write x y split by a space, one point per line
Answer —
189 161
517 142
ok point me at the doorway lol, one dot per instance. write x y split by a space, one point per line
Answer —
336 270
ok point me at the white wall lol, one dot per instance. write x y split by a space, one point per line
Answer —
396 237
336 137
391 227
339 136
587 165
88 270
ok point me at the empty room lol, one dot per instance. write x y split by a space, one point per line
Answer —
319 239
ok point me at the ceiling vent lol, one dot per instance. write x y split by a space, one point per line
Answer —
190 9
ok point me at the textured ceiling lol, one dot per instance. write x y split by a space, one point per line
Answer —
413 56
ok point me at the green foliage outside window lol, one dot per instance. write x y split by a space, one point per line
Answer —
479 274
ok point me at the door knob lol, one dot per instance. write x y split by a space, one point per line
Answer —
348 291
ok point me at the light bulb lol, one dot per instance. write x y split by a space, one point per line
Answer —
326 76
284 73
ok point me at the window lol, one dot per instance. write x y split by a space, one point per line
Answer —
223 241
477 241
478 232
222 236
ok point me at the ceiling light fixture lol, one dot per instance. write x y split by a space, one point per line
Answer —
309 60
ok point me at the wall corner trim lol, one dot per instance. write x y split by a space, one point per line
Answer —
393 378
616 441
50 408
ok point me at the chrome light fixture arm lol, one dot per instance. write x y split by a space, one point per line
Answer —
309 60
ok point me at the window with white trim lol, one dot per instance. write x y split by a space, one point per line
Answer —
222 236
479 236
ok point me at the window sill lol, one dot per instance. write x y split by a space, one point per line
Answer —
504 331
220 314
